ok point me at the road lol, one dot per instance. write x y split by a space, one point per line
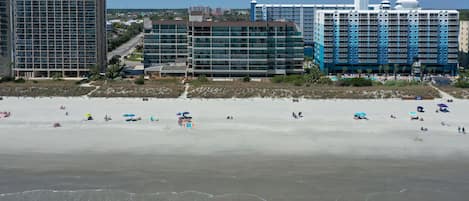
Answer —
126 48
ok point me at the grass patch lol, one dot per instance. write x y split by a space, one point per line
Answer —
456 92
274 90
166 88
46 88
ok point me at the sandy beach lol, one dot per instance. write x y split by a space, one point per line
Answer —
262 154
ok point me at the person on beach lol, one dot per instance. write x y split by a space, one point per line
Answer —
459 129
463 130
300 114
66 113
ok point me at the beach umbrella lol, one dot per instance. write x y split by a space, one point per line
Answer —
442 105
178 114
88 115
360 114
413 113
128 115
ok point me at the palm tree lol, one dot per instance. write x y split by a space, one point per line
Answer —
344 70
423 68
395 71
359 71
404 68
369 71
386 70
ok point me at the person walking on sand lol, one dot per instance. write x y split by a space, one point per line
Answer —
463 130
459 129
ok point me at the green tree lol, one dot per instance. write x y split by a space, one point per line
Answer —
395 71
140 80
314 75
95 72
369 71
344 70
359 72
386 70
115 60
113 71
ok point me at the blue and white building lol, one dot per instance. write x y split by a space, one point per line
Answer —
363 39
301 14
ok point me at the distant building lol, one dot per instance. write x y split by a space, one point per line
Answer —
109 27
218 12
164 42
464 43
197 16
369 39
71 42
5 38
204 9
226 49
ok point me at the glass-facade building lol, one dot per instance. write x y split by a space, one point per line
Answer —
65 37
224 49
370 39
5 38
164 42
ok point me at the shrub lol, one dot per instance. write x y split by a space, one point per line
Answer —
140 80
355 82
20 80
298 83
7 79
246 79
400 83
277 79
35 81
324 81
462 84
202 79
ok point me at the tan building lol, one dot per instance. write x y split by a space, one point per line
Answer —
464 43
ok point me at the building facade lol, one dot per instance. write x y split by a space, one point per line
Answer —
59 38
234 49
5 38
301 14
164 42
464 43
387 40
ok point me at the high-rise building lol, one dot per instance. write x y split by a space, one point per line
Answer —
164 42
64 38
464 43
379 39
5 38
301 14
225 49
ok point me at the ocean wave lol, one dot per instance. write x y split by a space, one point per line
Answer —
117 195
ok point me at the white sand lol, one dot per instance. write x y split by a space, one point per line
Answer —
262 126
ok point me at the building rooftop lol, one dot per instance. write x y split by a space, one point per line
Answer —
229 23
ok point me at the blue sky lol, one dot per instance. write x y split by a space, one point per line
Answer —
453 4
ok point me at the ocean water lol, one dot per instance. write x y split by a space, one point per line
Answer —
114 195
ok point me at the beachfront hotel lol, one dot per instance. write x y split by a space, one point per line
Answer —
301 14
64 38
5 38
164 42
245 48
226 49
370 40
464 43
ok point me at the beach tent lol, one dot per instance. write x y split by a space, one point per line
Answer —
443 107
128 115
413 115
360 115
420 109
